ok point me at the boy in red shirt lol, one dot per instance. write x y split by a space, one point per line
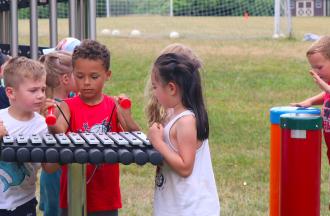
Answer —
92 111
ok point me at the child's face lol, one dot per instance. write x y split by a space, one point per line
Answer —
320 65
160 91
29 95
90 76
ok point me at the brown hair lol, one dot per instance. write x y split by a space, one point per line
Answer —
19 68
56 63
320 46
92 50
154 111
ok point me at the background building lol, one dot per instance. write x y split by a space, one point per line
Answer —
310 7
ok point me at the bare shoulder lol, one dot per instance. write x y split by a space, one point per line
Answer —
185 131
65 110
187 122
65 107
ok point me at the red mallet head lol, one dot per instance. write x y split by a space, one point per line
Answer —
125 103
50 118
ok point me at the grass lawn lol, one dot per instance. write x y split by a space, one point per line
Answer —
243 78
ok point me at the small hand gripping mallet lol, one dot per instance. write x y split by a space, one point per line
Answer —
50 118
124 102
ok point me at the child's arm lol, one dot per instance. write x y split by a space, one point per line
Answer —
60 126
317 79
3 130
315 100
185 138
125 118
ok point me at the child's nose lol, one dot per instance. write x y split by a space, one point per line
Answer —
41 94
86 81
316 70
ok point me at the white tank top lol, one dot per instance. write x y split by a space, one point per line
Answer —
186 196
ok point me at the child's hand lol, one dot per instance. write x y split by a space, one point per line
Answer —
3 130
48 103
125 115
122 114
125 111
305 103
320 82
155 135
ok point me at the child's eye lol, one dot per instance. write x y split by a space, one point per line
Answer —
317 67
95 76
79 76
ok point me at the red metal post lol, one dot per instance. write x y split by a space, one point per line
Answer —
300 164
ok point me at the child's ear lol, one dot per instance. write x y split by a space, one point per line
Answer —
108 74
65 79
10 92
172 88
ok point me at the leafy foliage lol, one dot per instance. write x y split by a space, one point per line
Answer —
223 7
180 8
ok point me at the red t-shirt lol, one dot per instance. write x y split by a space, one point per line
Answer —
326 122
103 192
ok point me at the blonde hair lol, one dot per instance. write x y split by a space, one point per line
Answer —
56 63
154 111
19 68
321 46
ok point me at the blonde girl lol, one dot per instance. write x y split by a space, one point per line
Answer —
59 81
59 84
154 111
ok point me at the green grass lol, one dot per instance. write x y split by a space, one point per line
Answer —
243 79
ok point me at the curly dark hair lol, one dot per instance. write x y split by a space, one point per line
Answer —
92 50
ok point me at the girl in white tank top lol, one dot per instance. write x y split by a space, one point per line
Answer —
185 184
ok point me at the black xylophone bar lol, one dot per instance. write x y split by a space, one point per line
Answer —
95 148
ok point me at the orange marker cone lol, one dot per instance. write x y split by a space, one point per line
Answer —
246 16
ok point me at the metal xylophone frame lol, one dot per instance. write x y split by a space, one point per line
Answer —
76 149
94 148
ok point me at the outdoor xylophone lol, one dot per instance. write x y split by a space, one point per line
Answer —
95 148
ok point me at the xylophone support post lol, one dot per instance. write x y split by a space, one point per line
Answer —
77 189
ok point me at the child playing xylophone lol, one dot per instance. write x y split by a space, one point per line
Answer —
93 111
25 81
